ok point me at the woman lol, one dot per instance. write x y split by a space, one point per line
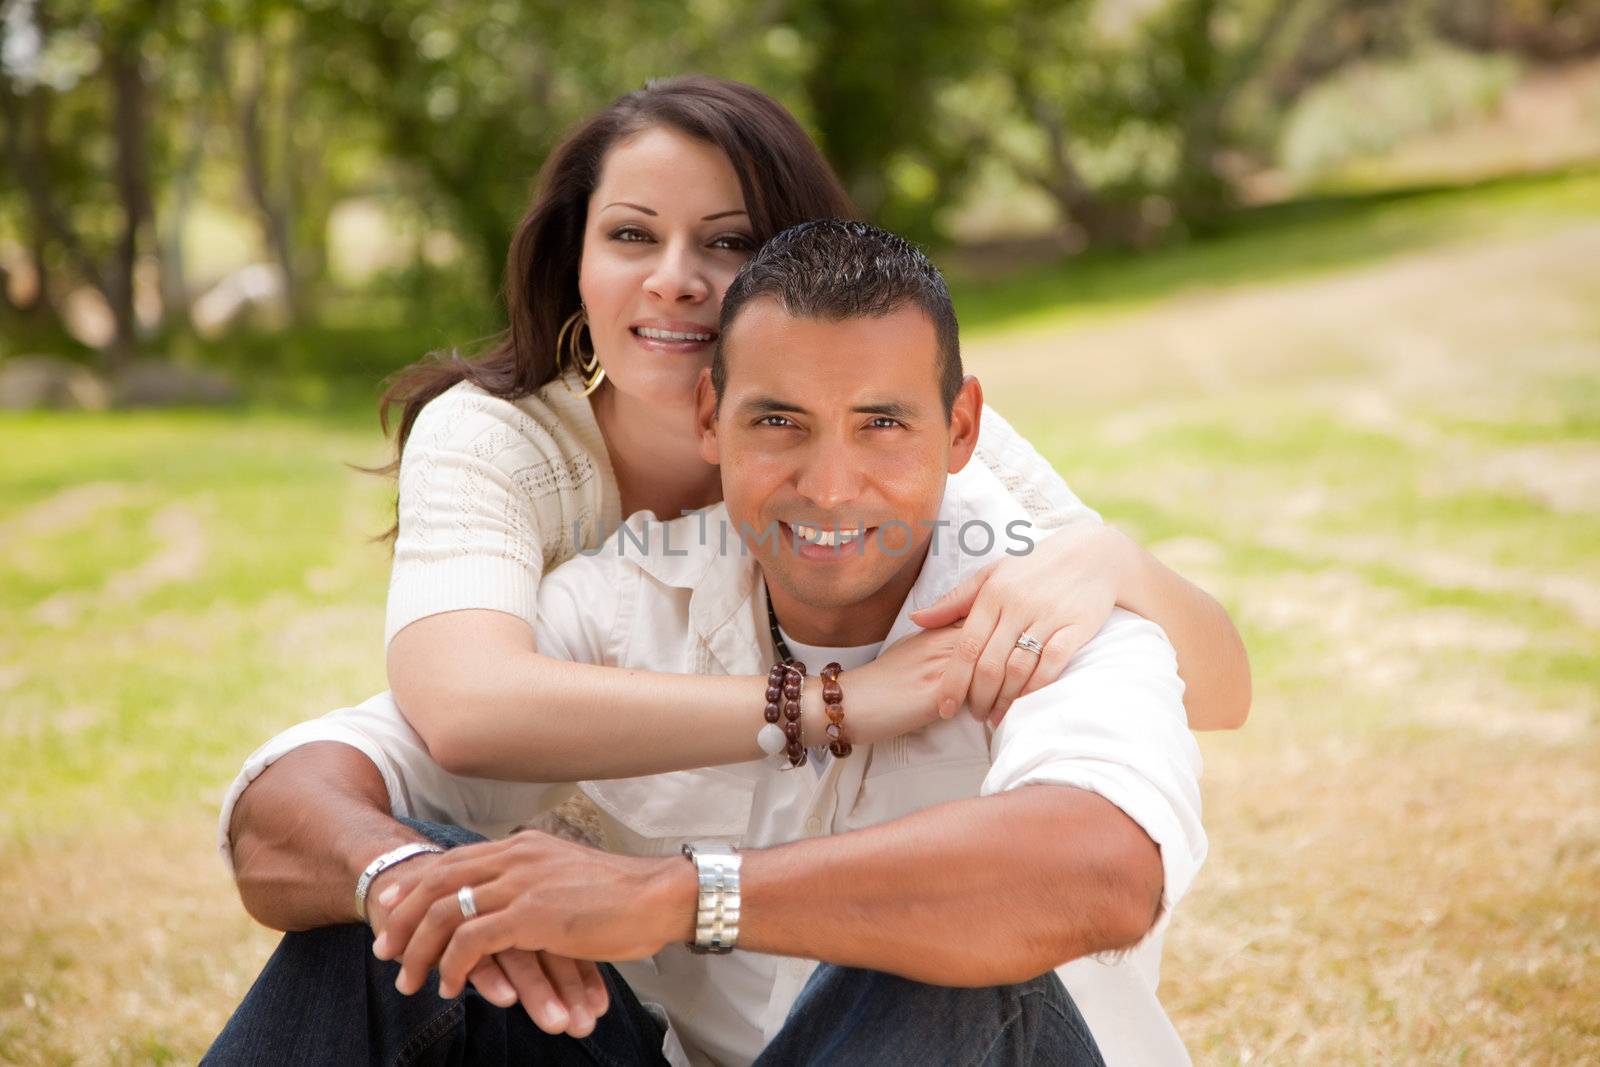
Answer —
618 269
512 462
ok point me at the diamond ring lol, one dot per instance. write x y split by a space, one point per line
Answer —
1030 643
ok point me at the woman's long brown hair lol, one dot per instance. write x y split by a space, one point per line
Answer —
784 178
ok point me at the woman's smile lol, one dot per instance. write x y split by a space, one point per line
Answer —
660 335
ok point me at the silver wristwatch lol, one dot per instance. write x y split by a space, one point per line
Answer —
716 917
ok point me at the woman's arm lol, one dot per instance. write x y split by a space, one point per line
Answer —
1061 594
486 702
475 687
1211 655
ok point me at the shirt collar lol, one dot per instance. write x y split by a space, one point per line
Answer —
702 552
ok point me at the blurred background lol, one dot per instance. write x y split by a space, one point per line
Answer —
1302 293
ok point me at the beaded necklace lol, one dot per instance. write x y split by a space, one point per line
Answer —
784 655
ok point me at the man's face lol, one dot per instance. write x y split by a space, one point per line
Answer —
835 426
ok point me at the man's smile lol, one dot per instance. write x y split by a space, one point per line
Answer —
822 543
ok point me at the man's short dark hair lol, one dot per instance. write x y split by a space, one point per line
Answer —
837 269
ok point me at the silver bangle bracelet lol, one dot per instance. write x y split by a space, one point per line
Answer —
383 863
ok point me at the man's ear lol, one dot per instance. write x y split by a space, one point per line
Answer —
965 415
705 416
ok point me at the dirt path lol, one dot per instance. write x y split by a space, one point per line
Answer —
1388 333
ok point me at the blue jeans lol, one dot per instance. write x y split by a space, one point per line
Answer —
323 998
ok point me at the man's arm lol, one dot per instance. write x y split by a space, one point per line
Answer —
312 807
1088 823
973 892
985 891
303 831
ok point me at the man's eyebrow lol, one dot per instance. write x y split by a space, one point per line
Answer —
771 405
647 211
893 409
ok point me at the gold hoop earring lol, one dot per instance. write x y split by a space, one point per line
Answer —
587 363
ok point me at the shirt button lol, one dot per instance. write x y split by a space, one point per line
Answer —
813 824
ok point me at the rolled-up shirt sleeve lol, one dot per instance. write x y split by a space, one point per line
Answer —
418 787
1114 724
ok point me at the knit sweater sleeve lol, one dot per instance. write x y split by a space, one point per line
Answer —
1027 475
492 493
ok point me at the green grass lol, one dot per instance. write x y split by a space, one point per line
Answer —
199 658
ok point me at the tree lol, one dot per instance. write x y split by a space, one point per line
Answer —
79 94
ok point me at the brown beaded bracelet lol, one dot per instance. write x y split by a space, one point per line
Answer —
795 747
833 704
771 737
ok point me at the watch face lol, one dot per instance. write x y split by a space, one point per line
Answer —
709 850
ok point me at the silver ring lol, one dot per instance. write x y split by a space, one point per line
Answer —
1030 643
466 902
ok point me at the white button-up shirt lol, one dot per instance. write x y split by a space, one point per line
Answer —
690 601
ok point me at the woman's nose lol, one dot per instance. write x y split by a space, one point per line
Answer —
679 277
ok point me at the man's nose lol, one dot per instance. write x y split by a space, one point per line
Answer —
829 476
679 275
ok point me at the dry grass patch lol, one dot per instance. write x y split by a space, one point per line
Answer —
1402 898
126 944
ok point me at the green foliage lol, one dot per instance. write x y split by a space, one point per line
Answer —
127 122
1373 107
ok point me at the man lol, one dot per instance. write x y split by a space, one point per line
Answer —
960 882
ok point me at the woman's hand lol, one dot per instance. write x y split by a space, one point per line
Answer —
535 893
560 994
1061 593
899 691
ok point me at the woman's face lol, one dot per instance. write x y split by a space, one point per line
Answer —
666 232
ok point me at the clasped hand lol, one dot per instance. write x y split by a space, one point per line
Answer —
546 909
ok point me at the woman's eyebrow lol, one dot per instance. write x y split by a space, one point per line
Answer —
647 211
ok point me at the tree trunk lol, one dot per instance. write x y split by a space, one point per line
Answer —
1201 193
1103 223
133 190
273 214
27 153
43 292
175 295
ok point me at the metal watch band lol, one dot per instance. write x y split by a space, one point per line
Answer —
383 863
716 918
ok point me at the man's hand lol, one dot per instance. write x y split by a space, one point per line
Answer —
560 994
536 893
